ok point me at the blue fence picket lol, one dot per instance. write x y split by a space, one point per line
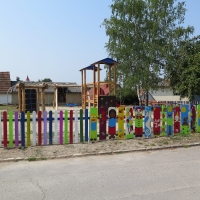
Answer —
22 129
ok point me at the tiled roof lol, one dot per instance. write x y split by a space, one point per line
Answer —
5 83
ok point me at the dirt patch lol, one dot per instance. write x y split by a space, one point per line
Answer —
44 152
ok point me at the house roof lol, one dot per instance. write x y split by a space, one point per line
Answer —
71 86
5 83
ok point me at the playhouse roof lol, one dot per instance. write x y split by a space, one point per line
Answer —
90 68
106 61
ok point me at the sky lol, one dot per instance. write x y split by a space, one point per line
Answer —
56 38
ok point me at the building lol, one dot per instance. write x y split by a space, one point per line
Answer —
5 85
67 92
163 94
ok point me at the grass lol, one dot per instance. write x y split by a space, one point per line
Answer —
8 108
139 142
153 144
30 159
165 142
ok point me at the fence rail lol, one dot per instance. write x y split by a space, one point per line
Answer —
68 127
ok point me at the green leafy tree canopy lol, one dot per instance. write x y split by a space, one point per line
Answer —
142 37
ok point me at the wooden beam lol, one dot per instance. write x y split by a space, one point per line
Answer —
19 99
56 99
43 100
98 79
23 99
109 77
115 79
38 99
85 90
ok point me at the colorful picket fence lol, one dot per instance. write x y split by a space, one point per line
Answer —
68 127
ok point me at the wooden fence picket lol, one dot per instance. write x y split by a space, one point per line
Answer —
34 128
50 128
198 118
76 126
16 130
86 125
61 127
71 126
81 125
5 129
45 127
28 141
10 129
22 129
39 128
0 130
66 141
55 127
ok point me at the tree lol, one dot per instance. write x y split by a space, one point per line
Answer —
47 80
17 78
142 36
185 78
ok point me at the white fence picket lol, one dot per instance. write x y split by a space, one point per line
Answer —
55 140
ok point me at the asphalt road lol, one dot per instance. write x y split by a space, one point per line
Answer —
157 175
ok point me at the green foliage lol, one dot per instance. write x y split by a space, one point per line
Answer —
47 80
185 77
142 35
127 97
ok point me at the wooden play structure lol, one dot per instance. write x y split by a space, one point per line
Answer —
22 88
96 84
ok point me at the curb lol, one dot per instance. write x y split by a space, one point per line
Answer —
99 153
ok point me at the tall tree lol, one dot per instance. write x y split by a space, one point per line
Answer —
185 78
142 36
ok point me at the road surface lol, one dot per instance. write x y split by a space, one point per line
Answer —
157 175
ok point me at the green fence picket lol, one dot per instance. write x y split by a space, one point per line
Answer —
66 127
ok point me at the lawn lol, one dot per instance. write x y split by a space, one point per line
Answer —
8 108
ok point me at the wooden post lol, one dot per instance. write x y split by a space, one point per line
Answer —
38 100
115 79
109 77
23 99
98 79
19 99
43 100
56 99
82 90
85 89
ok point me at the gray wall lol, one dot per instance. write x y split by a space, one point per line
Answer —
73 98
